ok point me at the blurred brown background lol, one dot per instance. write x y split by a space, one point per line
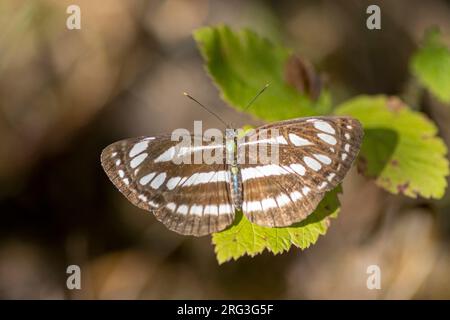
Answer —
66 94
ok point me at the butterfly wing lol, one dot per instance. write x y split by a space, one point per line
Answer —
314 154
191 199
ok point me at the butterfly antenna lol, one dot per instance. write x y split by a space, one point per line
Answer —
201 105
256 97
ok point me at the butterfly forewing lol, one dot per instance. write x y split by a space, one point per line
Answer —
191 199
314 154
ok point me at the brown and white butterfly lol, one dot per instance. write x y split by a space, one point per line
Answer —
199 199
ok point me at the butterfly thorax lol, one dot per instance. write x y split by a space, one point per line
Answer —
233 168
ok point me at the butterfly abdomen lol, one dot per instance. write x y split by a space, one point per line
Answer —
235 173
236 186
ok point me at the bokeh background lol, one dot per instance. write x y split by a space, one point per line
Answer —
65 95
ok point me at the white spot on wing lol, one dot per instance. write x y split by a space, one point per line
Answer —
183 209
153 204
283 200
225 209
158 181
262 171
296 195
172 183
273 170
223 176
312 163
327 138
205 177
189 150
347 136
331 176
322 158
281 140
211 209
347 147
322 185
138 160
277 140
250 173
324 126
344 156
142 197
306 190
190 180
166 155
268 203
252 206
297 167
138 148
121 173
298 141
147 178
196 210
171 206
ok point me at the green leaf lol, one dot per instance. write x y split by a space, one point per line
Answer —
244 237
431 65
241 63
400 148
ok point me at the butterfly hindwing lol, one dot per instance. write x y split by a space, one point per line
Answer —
191 199
280 203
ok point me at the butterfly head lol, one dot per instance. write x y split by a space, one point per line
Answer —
230 140
230 133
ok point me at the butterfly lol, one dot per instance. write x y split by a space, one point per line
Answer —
314 155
